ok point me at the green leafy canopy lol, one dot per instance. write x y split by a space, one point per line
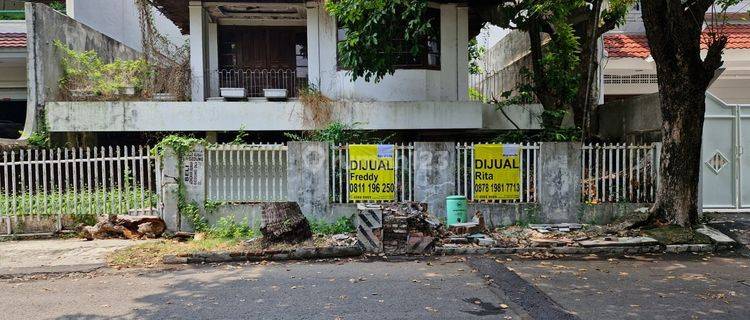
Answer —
376 32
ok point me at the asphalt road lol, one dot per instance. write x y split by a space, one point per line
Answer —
508 287
444 289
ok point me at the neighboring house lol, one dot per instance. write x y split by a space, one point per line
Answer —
629 69
117 19
240 48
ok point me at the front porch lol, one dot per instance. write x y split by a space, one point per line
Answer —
247 49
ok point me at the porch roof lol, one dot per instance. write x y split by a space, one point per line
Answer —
177 10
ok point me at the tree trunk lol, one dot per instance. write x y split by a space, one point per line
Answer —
131 227
284 222
683 106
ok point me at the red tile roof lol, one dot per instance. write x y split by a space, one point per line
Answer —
636 45
626 46
12 40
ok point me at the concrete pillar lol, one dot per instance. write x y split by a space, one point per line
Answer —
560 181
168 186
435 174
462 53
213 59
193 173
313 43
448 51
197 50
308 171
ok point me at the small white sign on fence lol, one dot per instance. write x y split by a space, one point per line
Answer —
194 167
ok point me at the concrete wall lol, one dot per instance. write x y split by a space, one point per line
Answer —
44 69
260 115
308 184
118 19
635 120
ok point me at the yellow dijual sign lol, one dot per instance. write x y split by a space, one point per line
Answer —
372 172
497 172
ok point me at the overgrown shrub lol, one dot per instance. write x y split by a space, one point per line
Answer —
87 77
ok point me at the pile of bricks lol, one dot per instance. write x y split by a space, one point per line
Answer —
406 228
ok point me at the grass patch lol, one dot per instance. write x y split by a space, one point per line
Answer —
151 254
677 235
341 225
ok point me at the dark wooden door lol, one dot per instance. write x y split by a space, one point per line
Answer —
258 47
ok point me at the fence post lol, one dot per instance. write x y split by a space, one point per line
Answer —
560 181
168 188
308 173
435 174
194 180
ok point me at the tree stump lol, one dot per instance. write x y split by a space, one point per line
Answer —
284 222
131 227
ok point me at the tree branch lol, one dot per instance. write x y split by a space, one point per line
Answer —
713 61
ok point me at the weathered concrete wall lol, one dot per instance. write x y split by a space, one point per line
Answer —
44 26
307 175
560 174
278 116
435 174
635 120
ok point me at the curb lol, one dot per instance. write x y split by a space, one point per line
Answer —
678 248
271 255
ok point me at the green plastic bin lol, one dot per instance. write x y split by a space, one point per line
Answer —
456 207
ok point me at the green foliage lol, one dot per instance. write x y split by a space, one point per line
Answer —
40 138
338 132
211 206
12 15
103 201
475 53
227 228
87 73
180 144
59 6
377 32
240 137
341 225
191 212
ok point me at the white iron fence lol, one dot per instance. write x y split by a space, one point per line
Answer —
78 181
246 173
255 80
404 166
619 173
528 177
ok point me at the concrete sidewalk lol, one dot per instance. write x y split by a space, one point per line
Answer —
56 255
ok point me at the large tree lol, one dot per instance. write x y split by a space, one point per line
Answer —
563 70
676 36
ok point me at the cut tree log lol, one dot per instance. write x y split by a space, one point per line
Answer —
284 222
131 227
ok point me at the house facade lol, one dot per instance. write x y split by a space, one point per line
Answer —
117 19
630 71
242 51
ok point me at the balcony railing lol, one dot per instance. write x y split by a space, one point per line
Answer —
255 80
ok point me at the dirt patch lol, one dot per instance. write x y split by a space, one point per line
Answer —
151 255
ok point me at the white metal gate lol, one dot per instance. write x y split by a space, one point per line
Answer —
726 133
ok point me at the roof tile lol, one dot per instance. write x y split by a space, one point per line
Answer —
12 40
636 45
